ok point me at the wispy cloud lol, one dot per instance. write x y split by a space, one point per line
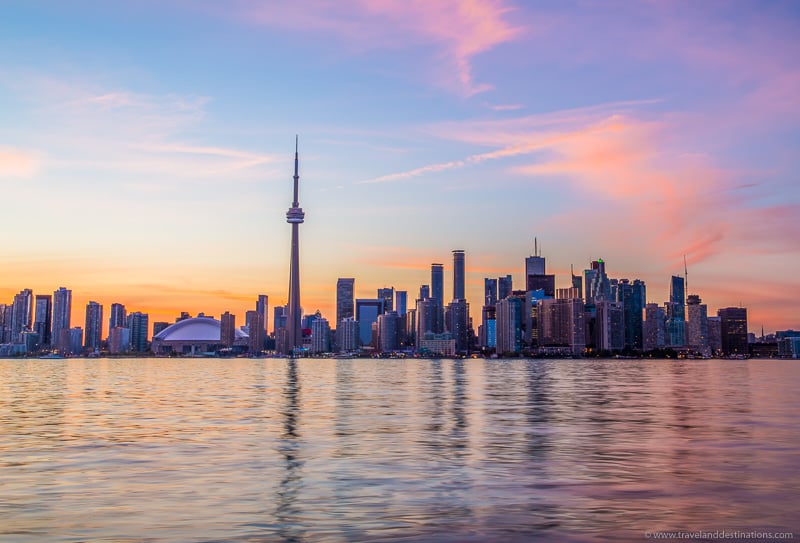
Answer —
458 29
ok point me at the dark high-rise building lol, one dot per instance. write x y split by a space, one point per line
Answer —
437 295
278 319
509 319
459 275
458 323
94 326
295 216
262 306
401 302
159 326
424 292
138 324
426 316
227 329
697 324
62 309
489 291
389 331
598 287
345 296
117 318
22 314
367 312
576 282
387 295
504 287
545 283
437 283
255 329
733 330
632 296
676 313
42 319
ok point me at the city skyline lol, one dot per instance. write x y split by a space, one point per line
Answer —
145 159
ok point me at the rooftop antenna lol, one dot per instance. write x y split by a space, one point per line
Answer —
685 274
535 246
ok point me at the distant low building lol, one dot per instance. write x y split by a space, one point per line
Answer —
196 336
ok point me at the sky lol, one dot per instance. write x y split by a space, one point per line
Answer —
146 148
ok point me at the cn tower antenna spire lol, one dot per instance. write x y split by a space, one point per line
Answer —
295 217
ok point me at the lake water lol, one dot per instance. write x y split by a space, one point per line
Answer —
202 450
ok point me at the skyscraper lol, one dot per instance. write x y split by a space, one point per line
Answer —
367 312
62 308
697 324
401 302
345 296
94 326
437 295
138 324
42 320
489 291
262 306
504 287
117 318
459 280
387 295
676 313
256 331
295 216
227 329
21 315
320 336
733 330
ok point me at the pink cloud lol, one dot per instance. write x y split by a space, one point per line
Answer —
458 29
15 162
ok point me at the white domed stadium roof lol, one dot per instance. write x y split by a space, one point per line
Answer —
195 329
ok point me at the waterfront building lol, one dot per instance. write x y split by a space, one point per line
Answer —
458 324
389 332
733 330
158 326
295 216
632 296
119 340
387 295
262 307
509 325
138 324
697 324
459 276
597 284
62 310
654 327
345 296
43 319
320 336
610 326
504 287
194 336
437 345
367 311
21 316
94 326
227 329
489 291
424 292
279 318
562 325
426 315
437 295
117 318
410 323
348 335
715 334
401 302
254 321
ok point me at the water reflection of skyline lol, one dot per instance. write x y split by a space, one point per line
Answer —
448 450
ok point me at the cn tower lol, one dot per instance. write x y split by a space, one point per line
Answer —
295 216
